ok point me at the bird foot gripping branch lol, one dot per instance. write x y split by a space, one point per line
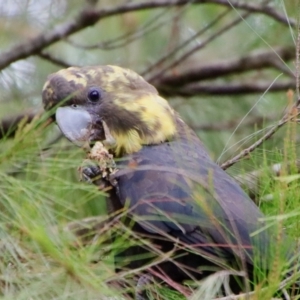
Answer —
98 166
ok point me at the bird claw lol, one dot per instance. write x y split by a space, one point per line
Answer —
90 172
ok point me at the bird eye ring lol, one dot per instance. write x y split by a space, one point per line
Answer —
94 95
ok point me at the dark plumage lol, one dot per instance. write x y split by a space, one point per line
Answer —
176 194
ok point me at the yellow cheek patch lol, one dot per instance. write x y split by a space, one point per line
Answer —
155 114
128 142
158 115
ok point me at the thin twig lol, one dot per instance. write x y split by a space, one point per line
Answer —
169 55
286 118
54 60
198 47
131 36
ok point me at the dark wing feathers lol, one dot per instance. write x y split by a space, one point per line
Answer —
189 197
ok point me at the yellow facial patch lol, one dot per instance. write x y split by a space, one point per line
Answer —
128 142
155 114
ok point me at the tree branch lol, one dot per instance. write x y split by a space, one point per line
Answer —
90 16
254 61
36 44
197 47
185 43
226 89
289 116
54 60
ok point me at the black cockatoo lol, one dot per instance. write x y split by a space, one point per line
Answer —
177 196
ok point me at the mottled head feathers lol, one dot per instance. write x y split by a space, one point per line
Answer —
130 107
